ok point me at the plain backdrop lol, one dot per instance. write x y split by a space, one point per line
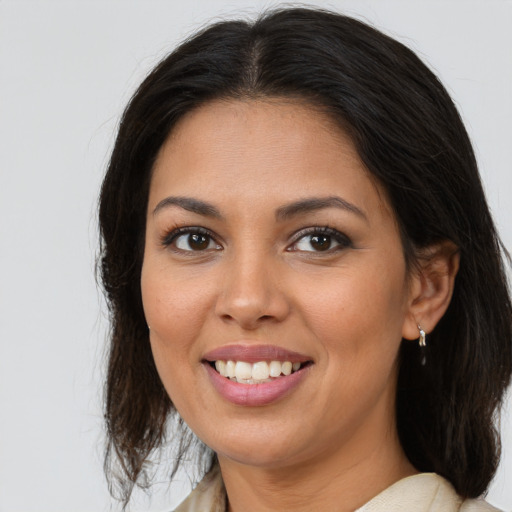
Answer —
67 68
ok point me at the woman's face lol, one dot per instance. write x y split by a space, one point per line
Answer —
268 244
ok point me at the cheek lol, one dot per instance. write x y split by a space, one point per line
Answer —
169 298
358 314
357 325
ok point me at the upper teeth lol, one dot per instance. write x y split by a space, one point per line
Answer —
260 371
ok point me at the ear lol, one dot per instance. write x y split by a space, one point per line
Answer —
431 287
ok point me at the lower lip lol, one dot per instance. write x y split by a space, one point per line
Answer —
253 395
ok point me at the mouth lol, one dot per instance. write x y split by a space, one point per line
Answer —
259 372
255 375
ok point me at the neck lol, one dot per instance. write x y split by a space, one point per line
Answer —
341 481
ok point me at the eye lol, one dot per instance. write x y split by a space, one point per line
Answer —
320 240
191 240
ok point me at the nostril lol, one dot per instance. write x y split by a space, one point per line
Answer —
251 309
257 318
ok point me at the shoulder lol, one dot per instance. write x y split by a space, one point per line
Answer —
425 492
479 505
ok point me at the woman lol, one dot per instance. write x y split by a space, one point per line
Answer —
300 262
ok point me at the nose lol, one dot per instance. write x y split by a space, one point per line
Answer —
252 292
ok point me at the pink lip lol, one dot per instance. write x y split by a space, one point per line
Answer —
254 353
253 395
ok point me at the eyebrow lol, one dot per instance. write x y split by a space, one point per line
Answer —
307 205
311 204
189 204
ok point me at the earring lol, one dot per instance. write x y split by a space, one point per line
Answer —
423 346
422 340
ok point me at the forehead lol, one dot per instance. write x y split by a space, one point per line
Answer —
254 149
273 125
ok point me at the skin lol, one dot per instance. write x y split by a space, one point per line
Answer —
259 280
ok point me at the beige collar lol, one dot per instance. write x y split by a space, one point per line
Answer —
425 492
208 496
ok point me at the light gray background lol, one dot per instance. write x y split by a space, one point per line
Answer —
67 68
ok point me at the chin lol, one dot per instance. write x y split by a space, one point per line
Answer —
260 445
261 456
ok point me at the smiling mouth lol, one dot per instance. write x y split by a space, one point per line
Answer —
256 373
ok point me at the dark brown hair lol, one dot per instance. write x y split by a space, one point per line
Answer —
410 137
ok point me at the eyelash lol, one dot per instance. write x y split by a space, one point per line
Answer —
343 241
169 239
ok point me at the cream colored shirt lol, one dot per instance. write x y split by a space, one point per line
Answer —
425 492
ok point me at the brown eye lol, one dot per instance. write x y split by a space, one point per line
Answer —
320 242
316 240
193 241
198 242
